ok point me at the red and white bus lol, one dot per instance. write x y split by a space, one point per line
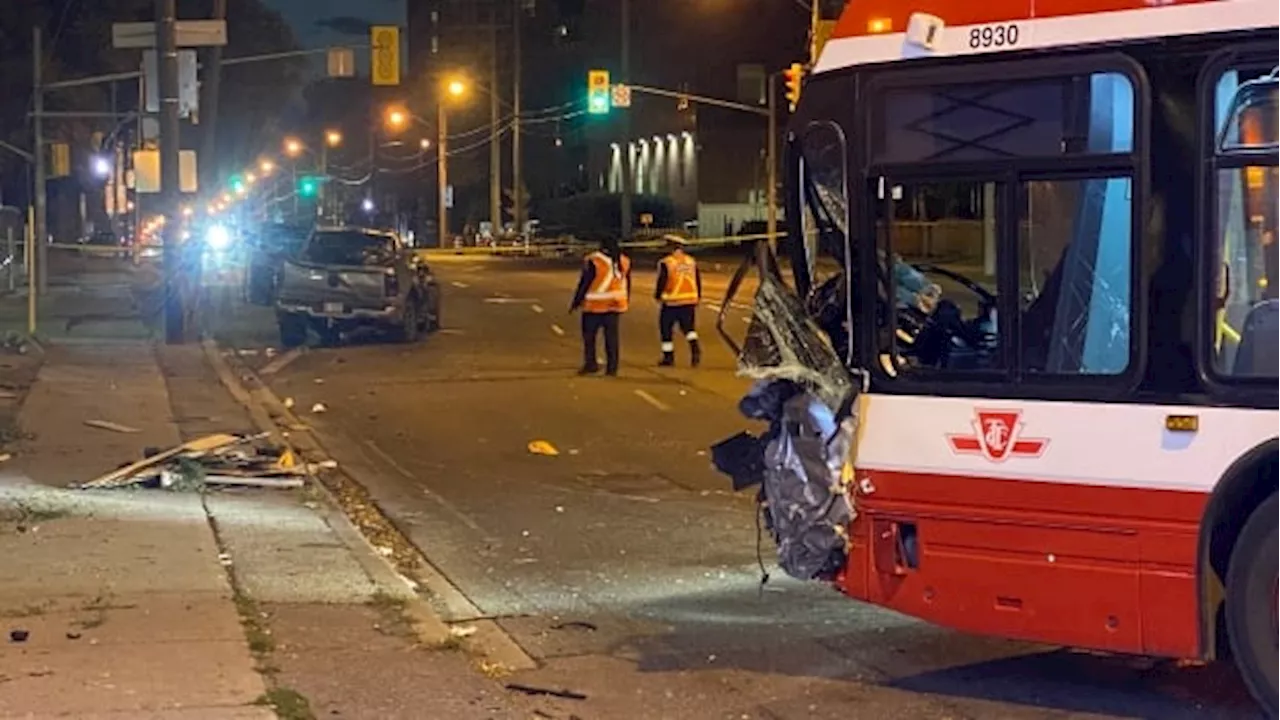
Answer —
1073 438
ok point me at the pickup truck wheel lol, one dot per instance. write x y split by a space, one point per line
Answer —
409 324
293 331
1251 604
433 321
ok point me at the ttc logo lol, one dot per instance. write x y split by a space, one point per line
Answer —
997 436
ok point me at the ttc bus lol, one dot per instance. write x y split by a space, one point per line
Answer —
1072 437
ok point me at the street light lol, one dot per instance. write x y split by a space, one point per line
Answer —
250 178
397 118
293 147
424 143
332 138
452 88
267 167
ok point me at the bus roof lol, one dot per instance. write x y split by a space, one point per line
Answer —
880 31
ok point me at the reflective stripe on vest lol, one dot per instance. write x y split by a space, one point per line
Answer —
608 291
681 286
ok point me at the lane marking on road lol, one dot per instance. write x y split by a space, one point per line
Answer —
536 308
458 284
557 329
712 307
466 519
652 400
510 301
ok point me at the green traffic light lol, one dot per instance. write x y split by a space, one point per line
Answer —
598 103
307 187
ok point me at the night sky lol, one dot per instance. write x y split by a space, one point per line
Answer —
320 23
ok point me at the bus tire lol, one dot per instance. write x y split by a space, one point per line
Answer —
1251 604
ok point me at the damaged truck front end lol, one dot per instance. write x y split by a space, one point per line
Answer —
798 349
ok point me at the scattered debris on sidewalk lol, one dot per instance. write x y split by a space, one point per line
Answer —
531 690
319 408
113 427
219 460
575 625
18 635
462 631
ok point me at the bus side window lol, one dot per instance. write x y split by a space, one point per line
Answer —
937 245
1243 341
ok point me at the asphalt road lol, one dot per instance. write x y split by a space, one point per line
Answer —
631 537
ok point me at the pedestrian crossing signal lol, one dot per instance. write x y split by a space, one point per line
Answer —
598 92
792 76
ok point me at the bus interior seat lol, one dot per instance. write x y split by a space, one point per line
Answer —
1259 350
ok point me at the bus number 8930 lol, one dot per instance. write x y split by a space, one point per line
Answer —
994 36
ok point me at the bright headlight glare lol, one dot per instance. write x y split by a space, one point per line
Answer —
218 238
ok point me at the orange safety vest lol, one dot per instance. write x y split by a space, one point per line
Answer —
608 291
681 286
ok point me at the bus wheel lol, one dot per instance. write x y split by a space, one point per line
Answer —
1251 604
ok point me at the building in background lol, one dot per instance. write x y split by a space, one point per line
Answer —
708 161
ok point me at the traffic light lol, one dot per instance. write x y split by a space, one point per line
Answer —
236 183
793 75
598 92
308 186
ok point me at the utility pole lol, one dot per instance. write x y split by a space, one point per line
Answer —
815 20
627 179
442 170
771 157
170 176
40 231
517 170
322 195
495 150
212 86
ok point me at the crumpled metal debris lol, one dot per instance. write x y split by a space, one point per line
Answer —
804 475
213 460
802 463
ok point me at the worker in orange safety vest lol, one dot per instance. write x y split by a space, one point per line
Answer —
603 294
679 290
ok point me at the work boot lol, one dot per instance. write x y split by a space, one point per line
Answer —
695 351
611 372
589 370
668 360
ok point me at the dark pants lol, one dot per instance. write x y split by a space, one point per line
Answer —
680 315
592 324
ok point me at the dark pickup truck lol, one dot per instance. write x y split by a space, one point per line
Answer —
345 278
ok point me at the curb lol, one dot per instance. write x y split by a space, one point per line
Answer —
489 642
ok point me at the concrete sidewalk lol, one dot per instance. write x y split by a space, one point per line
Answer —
182 606
126 607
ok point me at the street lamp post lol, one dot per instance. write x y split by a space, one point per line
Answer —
453 88
627 178
293 148
442 173
332 139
